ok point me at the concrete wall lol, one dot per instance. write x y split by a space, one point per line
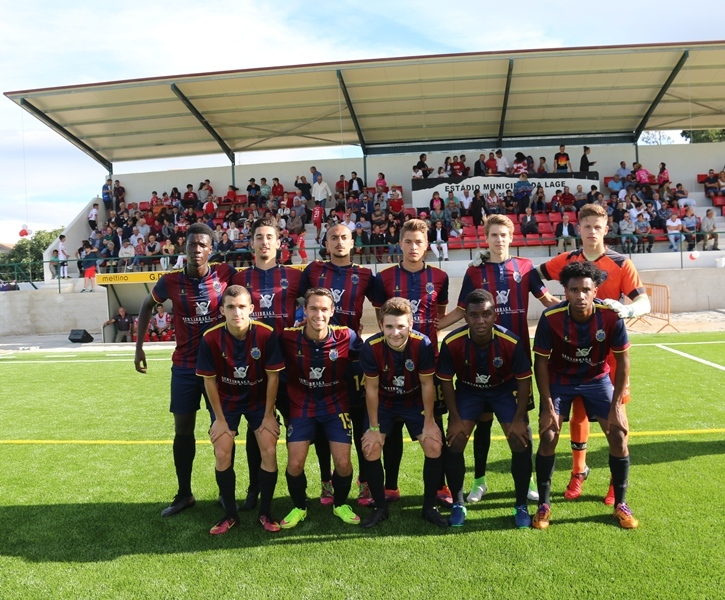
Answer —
46 312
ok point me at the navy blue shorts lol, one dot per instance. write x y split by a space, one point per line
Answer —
337 428
254 419
597 396
502 402
355 380
282 401
187 389
412 417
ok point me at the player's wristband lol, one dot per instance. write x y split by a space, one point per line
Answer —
374 428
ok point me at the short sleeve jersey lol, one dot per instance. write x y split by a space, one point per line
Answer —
577 352
480 368
274 294
509 283
195 304
240 366
398 371
621 277
159 322
350 285
426 289
560 160
316 370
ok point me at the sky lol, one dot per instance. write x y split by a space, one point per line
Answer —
46 180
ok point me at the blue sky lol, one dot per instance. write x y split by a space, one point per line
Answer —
45 180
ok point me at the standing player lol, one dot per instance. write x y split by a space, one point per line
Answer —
426 287
571 346
240 363
317 356
621 279
195 293
510 280
350 284
399 364
274 289
492 367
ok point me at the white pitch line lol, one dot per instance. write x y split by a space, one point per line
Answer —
72 362
683 343
695 358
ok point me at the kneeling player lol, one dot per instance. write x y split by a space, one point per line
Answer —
399 365
240 363
317 356
493 371
571 346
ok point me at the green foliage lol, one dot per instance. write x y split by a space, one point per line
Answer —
30 249
704 135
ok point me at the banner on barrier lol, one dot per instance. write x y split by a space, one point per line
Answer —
121 278
423 188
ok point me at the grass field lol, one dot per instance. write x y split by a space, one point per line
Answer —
86 467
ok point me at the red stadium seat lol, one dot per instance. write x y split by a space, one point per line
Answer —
541 218
143 206
481 231
519 240
412 211
718 201
467 220
455 243
469 232
555 217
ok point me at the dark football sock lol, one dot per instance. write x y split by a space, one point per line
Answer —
393 455
227 480
267 483
297 487
341 486
481 446
254 460
456 472
432 469
376 481
357 416
544 472
619 467
521 472
322 449
184 452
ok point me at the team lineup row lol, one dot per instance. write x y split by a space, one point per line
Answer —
321 365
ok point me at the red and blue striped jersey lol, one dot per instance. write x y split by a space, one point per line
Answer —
316 370
426 289
350 285
274 294
478 368
398 371
577 352
195 304
510 283
240 366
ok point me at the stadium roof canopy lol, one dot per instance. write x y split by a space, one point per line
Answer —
388 106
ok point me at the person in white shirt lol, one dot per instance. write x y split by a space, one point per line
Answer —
674 229
707 227
465 202
321 191
502 164
63 257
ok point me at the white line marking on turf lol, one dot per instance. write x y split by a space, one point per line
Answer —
72 362
695 358
683 343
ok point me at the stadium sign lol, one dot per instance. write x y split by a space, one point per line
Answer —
121 278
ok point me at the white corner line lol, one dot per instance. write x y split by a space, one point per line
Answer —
695 358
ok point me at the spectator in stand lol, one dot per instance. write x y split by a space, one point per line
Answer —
253 191
522 193
231 196
626 234
623 170
529 226
321 191
438 240
674 229
615 184
190 197
531 168
107 194
380 181
202 194
377 242
54 264
565 234
708 230
139 252
318 215
109 255
641 174
543 167
585 163
663 215
361 243
562 163
423 166
225 248
119 195
478 208
712 187
456 229
295 224
466 168
125 255
520 164
342 186
277 189
663 177
457 167
721 184
418 174
93 217
464 202
689 228
591 196
491 164
396 206
612 236
355 184
438 214
479 167
568 200
167 253
502 163
392 239
176 197
304 187
494 204
447 166
265 190
539 203
643 231
88 256
153 248
557 204
316 175
124 326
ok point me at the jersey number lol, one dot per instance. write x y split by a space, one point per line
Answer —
346 421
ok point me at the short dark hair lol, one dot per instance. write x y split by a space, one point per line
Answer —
200 229
264 222
576 270
319 291
479 296
236 290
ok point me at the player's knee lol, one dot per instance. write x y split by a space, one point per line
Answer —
618 443
458 443
548 439
517 445
372 454
343 467
431 448
184 424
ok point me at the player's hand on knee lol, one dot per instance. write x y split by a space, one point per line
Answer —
519 434
548 421
218 429
617 419
455 431
269 424
432 431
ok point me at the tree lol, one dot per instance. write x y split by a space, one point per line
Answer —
655 138
704 135
28 252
